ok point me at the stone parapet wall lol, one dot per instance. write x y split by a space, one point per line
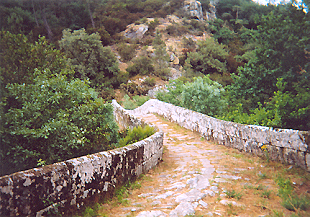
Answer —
285 145
63 188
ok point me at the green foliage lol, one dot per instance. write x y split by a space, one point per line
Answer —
152 26
136 134
161 62
157 40
210 57
127 52
233 194
272 88
290 200
53 119
203 95
173 95
221 32
89 58
176 29
149 82
141 65
135 102
132 88
283 40
284 110
19 57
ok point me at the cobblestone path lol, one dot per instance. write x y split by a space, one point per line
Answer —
198 178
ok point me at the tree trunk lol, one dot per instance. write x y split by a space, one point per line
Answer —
90 15
35 14
47 27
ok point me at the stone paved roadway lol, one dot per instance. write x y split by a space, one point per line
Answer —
191 181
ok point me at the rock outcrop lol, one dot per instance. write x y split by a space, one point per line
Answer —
211 14
135 31
193 9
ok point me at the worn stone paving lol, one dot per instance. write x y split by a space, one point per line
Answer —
191 181
189 184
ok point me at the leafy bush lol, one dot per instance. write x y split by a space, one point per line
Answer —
210 57
135 102
203 95
285 109
141 65
149 82
127 52
89 58
54 119
133 89
161 62
136 134
176 29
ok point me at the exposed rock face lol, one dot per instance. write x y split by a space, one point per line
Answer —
211 14
135 31
193 8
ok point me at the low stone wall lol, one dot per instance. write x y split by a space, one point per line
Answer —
285 145
63 188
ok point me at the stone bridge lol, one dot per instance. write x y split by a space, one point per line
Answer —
192 178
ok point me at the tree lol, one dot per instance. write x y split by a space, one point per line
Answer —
52 120
210 57
202 95
161 61
89 58
282 53
141 65
19 58
127 52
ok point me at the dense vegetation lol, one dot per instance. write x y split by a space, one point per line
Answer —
266 54
57 72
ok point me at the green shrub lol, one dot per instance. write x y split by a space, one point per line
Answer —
127 52
161 62
136 134
89 58
295 202
149 82
135 102
203 95
285 109
54 120
290 200
141 65
176 29
133 89
210 57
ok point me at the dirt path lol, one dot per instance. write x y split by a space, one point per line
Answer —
200 178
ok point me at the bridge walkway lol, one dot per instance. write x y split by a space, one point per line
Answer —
199 178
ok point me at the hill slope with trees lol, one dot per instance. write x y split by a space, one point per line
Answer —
63 61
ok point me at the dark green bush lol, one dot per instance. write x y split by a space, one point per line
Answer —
136 134
149 82
52 120
133 89
127 52
134 102
141 65
203 95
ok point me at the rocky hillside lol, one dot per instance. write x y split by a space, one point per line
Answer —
173 31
